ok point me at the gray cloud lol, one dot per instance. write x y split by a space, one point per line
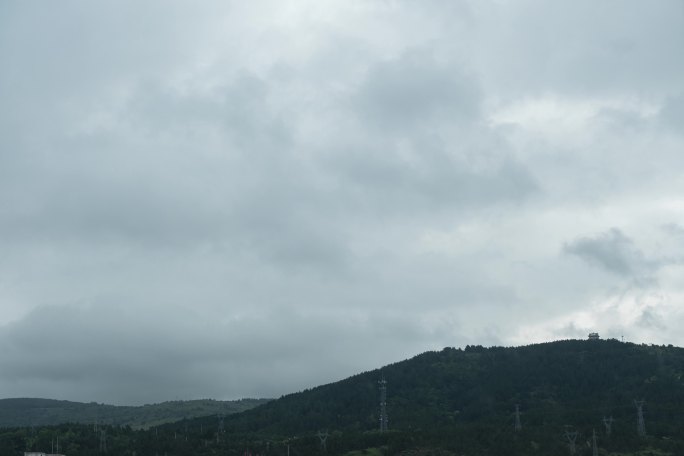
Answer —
88 346
552 51
611 250
673 229
672 113
416 91
650 319
210 197
433 180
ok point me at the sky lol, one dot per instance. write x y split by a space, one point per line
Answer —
227 199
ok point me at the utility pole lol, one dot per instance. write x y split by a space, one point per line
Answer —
383 404
571 438
323 437
594 448
641 426
608 423
518 426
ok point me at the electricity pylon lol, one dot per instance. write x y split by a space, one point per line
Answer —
103 441
383 404
572 439
323 437
608 423
641 426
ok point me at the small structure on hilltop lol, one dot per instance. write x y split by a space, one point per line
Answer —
594 336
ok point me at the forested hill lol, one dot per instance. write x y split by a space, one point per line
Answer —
573 382
451 402
43 412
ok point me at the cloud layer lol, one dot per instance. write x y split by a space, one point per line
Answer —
249 198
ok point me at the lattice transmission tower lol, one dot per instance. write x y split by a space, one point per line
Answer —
103 441
383 404
323 437
641 426
608 423
571 437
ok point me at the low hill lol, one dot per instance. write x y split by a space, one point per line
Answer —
43 412
565 386
627 398
568 382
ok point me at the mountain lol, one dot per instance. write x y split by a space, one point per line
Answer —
43 412
573 382
449 402
471 394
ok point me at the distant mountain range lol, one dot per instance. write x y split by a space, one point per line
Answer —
45 412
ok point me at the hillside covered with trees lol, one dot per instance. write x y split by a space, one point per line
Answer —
45 412
451 402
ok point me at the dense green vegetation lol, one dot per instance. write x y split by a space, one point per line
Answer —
572 382
45 412
452 402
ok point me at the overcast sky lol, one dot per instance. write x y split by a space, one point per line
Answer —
244 199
